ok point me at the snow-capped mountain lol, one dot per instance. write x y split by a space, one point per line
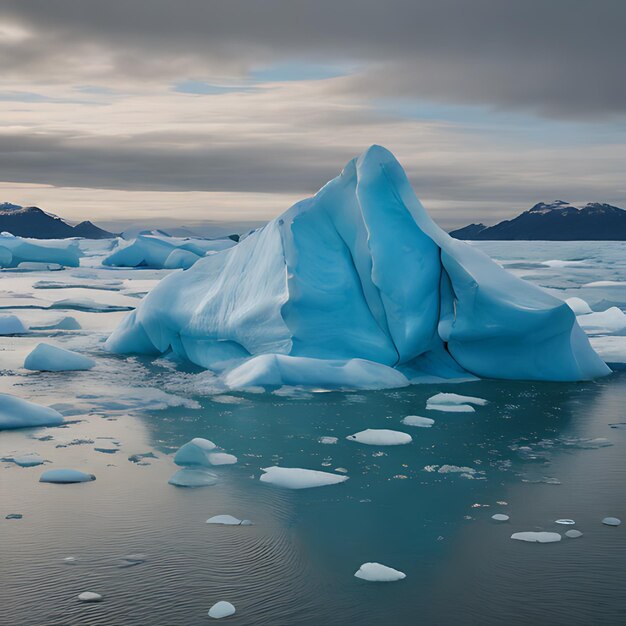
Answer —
555 221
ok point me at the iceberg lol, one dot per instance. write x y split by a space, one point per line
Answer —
12 325
193 478
65 322
18 413
455 399
195 452
381 437
31 459
89 596
228 520
16 251
611 321
611 521
298 478
65 476
221 609
375 572
537 537
47 358
418 421
578 305
357 287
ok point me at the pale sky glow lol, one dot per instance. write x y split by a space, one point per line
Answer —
143 111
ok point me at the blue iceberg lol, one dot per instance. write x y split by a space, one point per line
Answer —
18 413
47 358
17 250
354 287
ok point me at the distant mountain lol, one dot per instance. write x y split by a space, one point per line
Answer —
34 222
554 221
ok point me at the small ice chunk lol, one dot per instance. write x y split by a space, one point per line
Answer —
611 521
537 537
381 437
500 517
193 478
455 398
13 516
69 559
221 609
565 522
228 520
90 596
12 325
47 358
28 460
328 440
416 420
573 534
221 458
298 478
18 413
451 408
578 305
195 452
375 572
65 476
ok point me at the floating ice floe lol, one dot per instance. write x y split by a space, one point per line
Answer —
578 305
65 476
195 452
611 521
565 522
453 403
381 437
13 516
328 440
463 471
66 322
47 358
102 285
12 325
31 459
90 596
87 304
573 534
376 295
451 408
228 520
500 517
416 420
221 609
221 458
70 560
18 413
19 252
375 572
298 478
537 537
609 322
193 478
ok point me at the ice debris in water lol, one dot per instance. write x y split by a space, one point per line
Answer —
416 420
90 596
537 537
30 459
65 476
221 458
228 520
13 516
423 310
611 321
375 572
139 458
298 478
65 322
578 305
328 440
381 437
18 413
611 521
193 478
573 534
221 609
47 358
565 522
88 304
12 325
500 517
451 408
455 398
202 452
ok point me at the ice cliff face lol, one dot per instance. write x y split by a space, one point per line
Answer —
359 271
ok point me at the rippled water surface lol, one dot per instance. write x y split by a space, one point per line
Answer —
537 452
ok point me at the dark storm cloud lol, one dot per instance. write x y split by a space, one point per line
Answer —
555 58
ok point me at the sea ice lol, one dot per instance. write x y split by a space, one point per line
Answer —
611 321
455 399
28 460
47 358
228 520
193 478
611 521
537 537
65 322
65 476
565 522
500 517
18 251
375 572
328 440
451 408
348 287
88 304
18 413
578 305
416 420
12 325
298 478
573 534
13 516
90 596
381 437
221 609
180 259
221 458
195 452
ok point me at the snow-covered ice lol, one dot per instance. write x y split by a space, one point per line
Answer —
18 413
65 476
327 440
381 437
221 458
537 537
455 399
298 478
611 521
578 305
451 408
195 452
12 325
609 322
228 520
416 420
375 572
221 609
196 477
48 358
30 459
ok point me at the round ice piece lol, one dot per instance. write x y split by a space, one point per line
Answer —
18 413
47 358
12 325
611 521
221 609
573 534
375 572
65 476
90 596
565 522
221 458
537 537
195 452
381 437
28 460
416 420
193 478
298 478
500 517
228 520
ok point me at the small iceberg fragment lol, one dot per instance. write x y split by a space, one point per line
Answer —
416 420
70 560
65 476
221 609
500 517
228 520
453 403
47 358
90 596
193 478
18 413
13 516
66 322
221 458
195 452
138 459
298 478
451 408
28 460
328 440
611 521
179 259
12 325
375 572
381 437
537 537
565 522
573 534
578 305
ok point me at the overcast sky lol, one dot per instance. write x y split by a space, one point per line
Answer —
191 110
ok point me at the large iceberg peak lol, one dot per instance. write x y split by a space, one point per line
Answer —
359 272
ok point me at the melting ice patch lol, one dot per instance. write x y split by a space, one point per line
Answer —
188 477
376 572
65 476
537 537
381 437
45 357
18 413
298 478
228 520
